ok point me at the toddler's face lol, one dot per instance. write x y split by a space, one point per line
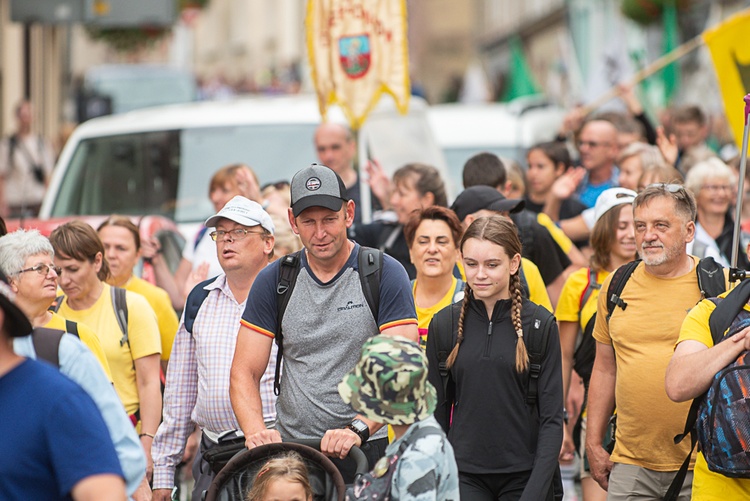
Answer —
284 490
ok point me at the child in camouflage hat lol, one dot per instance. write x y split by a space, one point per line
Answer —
389 385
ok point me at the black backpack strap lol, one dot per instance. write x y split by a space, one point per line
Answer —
55 306
536 340
711 280
370 263
47 344
120 305
676 486
727 309
620 278
194 301
71 327
288 270
446 332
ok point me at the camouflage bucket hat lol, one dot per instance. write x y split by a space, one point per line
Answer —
389 383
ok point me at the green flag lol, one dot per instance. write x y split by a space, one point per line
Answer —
520 81
670 75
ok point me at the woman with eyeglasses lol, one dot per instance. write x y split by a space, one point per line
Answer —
122 249
130 340
26 258
714 186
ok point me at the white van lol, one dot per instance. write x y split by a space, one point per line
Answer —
507 130
160 160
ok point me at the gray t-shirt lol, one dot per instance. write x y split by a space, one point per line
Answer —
324 327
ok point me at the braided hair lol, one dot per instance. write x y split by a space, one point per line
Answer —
500 231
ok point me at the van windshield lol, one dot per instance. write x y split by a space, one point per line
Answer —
168 172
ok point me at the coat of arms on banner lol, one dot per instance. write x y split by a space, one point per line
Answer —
354 55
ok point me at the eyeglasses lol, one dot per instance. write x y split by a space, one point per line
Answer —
43 269
279 185
592 144
236 234
716 187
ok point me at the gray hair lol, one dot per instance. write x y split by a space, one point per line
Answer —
707 169
17 247
648 155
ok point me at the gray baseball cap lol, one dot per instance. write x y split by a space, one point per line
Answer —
317 186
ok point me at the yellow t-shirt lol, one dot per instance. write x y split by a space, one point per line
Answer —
424 315
643 337
537 289
87 337
568 305
708 485
558 235
162 306
143 339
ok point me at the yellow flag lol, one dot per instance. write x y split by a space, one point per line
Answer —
358 50
730 52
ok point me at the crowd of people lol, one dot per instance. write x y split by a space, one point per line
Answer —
468 350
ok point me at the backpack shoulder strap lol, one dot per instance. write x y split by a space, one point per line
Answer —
445 330
199 237
194 302
536 340
727 309
591 286
47 344
620 278
55 306
120 304
525 290
71 327
710 278
370 264
288 270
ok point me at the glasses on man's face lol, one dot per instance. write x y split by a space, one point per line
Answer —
236 234
43 269
592 144
716 187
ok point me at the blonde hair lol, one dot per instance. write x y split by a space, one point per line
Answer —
502 232
288 466
286 241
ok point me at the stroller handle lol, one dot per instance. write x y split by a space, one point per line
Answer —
359 458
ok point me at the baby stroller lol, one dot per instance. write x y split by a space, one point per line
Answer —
236 478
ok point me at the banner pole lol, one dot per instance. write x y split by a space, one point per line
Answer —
647 71
741 188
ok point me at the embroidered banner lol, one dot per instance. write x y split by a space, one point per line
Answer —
358 50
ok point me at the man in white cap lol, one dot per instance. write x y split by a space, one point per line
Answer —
197 387
56 444
327 319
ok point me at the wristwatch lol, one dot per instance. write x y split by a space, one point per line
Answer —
360 428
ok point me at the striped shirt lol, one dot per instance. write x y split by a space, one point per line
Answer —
197 387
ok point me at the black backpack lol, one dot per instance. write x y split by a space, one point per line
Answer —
370 263
718 420
585 352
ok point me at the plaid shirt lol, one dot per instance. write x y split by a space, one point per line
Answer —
197 388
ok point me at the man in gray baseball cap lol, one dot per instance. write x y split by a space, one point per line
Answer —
317 186
326 321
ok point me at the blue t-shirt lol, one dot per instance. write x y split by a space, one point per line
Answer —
588 193
53 435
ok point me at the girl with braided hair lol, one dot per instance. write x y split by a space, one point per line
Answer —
505 448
